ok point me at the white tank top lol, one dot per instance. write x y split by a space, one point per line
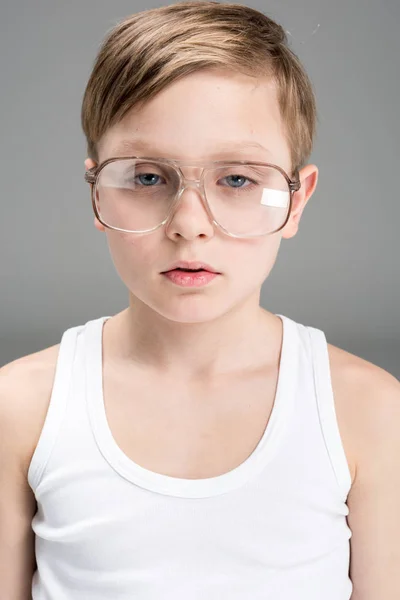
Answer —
273 528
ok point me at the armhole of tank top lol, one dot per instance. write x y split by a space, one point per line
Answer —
56 407
327 411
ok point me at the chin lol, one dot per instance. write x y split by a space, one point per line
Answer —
193 310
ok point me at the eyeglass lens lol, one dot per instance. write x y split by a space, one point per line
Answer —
136 195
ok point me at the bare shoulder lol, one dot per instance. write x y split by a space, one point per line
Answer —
358 387
25 390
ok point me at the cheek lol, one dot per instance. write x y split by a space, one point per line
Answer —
254 258
132 254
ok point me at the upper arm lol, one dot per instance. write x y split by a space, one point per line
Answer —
17 501
374 499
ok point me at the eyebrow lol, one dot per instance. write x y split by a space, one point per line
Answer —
226 149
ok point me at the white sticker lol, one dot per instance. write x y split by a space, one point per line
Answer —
276 198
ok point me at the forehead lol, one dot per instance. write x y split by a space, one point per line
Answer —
203 116
132 146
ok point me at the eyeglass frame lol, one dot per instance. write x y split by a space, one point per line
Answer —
91 176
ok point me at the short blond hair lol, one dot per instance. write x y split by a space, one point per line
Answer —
148 50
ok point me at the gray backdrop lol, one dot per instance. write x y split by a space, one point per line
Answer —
340 273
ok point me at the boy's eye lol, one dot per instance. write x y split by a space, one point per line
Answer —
147 179
236 181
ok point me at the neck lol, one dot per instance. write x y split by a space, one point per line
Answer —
245 338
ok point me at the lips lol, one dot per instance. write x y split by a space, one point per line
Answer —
190 266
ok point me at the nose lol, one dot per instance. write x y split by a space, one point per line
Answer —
190 217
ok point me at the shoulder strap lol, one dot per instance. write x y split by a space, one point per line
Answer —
56 408
326 409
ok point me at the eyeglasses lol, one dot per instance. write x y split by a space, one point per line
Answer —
140 194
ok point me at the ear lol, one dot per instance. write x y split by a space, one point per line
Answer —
308 177
89 163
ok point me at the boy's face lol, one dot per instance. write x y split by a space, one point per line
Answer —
189 121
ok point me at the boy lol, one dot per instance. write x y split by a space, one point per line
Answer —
196 445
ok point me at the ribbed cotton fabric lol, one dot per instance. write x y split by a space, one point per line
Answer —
274 528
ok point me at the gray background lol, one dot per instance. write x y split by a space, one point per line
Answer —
340 273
